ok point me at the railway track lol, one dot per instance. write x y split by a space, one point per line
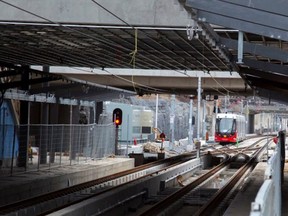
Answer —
175 201
43 204
120 183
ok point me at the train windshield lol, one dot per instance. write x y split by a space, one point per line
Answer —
225 125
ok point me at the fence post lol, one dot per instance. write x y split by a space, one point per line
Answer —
282 151
3 134
13 149
61 145
79 140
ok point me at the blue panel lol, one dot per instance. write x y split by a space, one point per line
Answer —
7 125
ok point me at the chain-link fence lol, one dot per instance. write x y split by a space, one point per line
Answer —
36 147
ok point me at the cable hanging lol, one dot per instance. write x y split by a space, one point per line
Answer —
134 52
133 59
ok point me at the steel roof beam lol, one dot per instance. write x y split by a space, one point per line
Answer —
265 75
266 66
7 73
16 84
231 16
268 84
275 95
276 6
256 49
53 88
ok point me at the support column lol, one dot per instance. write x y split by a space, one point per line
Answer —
172 118
240 47
24 120
191 145
99 110
282 138
156 115
199 107
198 117
44 142
204 120
74 119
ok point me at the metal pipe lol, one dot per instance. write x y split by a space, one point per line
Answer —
190 131
225 104
198 117
204 120
240 48
199 107
70 141
172 118
156 115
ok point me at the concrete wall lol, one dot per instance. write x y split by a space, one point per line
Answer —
135 12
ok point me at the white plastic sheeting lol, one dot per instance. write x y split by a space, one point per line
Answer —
268 200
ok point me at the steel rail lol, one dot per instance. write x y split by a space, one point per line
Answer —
219 196
158 207
207 209
75 188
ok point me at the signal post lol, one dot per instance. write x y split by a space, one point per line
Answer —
117 120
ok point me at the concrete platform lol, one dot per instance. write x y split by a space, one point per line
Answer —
29 184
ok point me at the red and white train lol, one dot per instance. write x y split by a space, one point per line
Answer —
230 128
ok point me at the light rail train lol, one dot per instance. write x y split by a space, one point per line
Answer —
230 128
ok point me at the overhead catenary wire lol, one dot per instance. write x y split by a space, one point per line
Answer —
104 41
141 86
87 35
133 59
56 23
64 26
133 53
133 27
136 33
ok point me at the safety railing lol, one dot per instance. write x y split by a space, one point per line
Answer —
268 200
36 147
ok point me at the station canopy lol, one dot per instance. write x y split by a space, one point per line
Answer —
213 43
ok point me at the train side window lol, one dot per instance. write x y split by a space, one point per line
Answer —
217 125
234 126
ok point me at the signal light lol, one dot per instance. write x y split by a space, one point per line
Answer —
117 121
117 116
